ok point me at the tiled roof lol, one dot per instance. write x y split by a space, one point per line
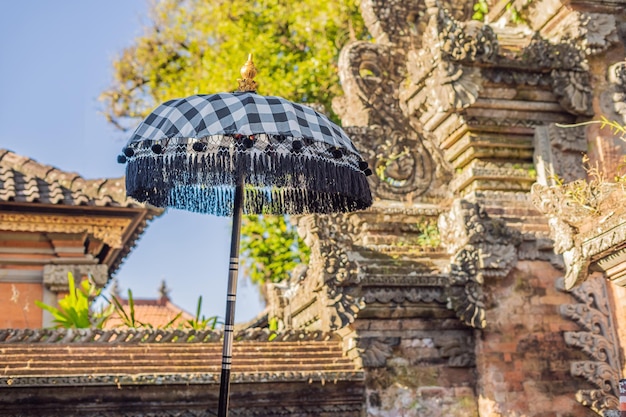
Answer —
156 312
27 181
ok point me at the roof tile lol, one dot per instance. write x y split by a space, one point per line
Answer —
25 180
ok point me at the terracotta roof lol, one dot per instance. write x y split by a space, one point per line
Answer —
25 180
155 312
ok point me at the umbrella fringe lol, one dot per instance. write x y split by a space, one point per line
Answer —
275 182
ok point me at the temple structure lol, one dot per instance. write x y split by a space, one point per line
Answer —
452 288
54 222
460 293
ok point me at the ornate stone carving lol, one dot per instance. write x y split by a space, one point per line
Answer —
459 352
481 247
376 351
617 78
593 32
403 168
599 341
469 41
573 89
109 230
371 75
400 295
543 54
402 22
332 266
516 77
440 79
55 276
558 153
586 225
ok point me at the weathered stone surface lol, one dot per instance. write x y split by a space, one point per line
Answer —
458 120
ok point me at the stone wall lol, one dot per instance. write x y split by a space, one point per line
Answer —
522 361
449 288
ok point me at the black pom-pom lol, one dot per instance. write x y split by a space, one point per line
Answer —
363 165
248 143
296 146
128 152
121 159
337 153
157 149
199 146
367 172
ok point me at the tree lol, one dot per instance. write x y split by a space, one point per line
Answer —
272 248
198 46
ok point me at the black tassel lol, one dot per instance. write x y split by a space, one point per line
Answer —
276 182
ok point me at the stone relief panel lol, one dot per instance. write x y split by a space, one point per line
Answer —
55 276
402 22
403 168
480 247
332 267
593 32
438 79
613 101
376 350
599 342
402 162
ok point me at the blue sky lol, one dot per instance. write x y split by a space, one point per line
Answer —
56 57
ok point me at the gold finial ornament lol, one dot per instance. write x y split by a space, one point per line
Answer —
248 72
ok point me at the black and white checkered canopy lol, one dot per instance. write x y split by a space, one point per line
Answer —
189 153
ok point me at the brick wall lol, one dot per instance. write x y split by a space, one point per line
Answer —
523 363
17 305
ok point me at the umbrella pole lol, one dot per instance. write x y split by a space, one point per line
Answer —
229 322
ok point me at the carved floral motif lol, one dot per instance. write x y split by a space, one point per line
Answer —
55 276
573 89
617 78
481 246
599 341
403 165
376 350
109 230
333 269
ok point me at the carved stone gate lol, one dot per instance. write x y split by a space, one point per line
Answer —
449 288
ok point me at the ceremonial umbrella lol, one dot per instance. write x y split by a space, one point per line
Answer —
233 153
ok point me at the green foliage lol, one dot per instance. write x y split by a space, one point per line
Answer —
272 248
429 236
198 46
200 322
481 8
128 319
74 308
615 127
